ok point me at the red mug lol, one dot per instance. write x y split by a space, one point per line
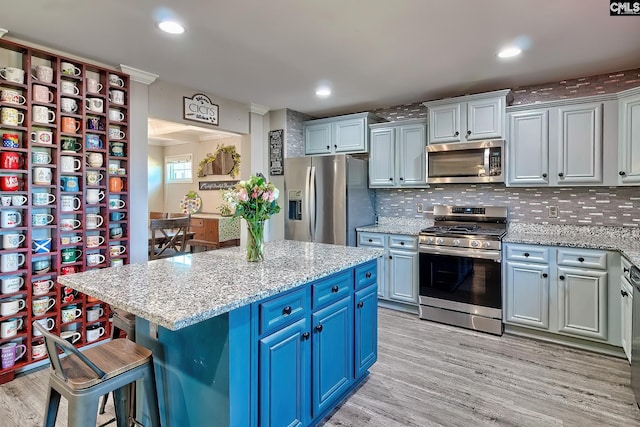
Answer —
70 269
10 160
10 183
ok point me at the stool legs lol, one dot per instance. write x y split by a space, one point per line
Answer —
151 395
51 410
83 412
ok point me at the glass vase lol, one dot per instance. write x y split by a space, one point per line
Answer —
255 241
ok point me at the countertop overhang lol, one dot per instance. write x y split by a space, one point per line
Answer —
184 290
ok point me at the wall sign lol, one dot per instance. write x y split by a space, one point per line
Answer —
216 185
276 164
199 108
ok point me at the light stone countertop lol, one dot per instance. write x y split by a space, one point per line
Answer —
184 290
391 225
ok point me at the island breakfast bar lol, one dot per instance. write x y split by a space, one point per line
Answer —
237 343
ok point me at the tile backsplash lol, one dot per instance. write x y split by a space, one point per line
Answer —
612 206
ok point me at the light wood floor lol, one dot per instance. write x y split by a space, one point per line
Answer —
429 374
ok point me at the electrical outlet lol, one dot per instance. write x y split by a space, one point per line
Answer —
420 207
553 211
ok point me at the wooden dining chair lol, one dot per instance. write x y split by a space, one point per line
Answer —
157 215
168 237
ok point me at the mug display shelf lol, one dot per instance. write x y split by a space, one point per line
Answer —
12 105
69 135
65 76
50 85
71 95
72 115
13 250
10 171
42 104
14 128
14 85
15 149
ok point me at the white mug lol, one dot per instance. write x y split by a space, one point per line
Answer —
11 306
116 262
40 158
70 313
94 104
93 177
69 69
40 219
116 96
94 196
116 133
44 73
41 287
93 221
10 219
68 224
12 241
69 203
11 116
42 137
115 115
95 259
12 74
11 284
12 96
42 176
10 327
42 114
69 88
11 262
95 160
93 86
94 334
94 241
115 80
42 94
116 204
115 250
43 199
41 305
71 336
18 200
47 323
68 105
70 164
94 313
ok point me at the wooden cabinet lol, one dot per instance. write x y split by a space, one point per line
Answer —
71 162
629 133
397 156
342 134
215 232
468 118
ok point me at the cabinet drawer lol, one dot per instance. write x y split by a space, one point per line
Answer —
582 258
331 289
277 312
196 222
409 243
371 239
527 253
366 274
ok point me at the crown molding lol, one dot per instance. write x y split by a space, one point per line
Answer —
139 75
3 32
259 109
563 102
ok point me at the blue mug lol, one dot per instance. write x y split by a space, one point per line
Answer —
93 141
39 246
69 183
116 216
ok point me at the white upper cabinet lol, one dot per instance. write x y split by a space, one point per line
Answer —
468 118
528 148
629 148
342 134
397 157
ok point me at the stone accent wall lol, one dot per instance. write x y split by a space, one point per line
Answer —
294 140
613 206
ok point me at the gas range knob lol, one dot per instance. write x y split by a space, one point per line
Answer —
439 241
487 244
430 240
475 243
456 242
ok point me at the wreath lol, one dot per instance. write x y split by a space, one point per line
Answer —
210 158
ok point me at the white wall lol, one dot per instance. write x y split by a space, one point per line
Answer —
155 178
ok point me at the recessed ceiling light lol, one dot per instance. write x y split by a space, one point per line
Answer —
171 27
509 52
323 91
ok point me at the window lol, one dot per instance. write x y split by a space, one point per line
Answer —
178 169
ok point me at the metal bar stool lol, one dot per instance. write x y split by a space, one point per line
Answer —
82 377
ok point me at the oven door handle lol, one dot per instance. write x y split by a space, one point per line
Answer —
465 253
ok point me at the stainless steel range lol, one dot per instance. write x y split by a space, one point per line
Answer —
460 274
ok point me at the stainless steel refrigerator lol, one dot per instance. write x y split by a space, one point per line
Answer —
326 198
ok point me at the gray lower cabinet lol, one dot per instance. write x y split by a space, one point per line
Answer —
565 291
398 269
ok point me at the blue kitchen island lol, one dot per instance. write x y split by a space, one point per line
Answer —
276 343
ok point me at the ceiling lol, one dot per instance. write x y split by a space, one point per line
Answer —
373 54
164 133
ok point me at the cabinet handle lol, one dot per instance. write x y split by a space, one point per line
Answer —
390 257
545 275
390 179
624 293
468 132
401 179
544 175
368 275
622 173
335 289
625 270
360 304
370 240
328 147
526 254
286 311
335 146
561 277
560 174
319 328
580 259
305 336
402 243
456 134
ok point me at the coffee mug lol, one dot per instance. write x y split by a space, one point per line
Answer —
12 74
5 200
10 140
94 313
11 160
11 96
40 219
43 73
93 177
69 164
42 94
68 105
12 240
10 219
69 69
70 313
41 266
41 114
68 224
43 199
10 353
40 246
115 184
94 334
94 104
11 284
115 250
38 348
116 216
11 306
11 183
93 221
115 232
40 158
11 116
68 269
69 88
10 327
115 115
93 141
116 133
42 137
95 259
115 80
41 305
18 200
116 96
42 176
116 204
117 149
11 262
95 160
70 145
41 287
69 183
116 262
94 241
70 255
71 336
70 125
94 196
47 323
69 240
69 203
95 123
93 86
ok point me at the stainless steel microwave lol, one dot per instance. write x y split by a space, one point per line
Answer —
465 162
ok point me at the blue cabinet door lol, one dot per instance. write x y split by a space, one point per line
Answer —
332 343
366 329
284 376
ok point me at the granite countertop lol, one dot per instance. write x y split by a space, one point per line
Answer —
187 289
391 225
623 239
